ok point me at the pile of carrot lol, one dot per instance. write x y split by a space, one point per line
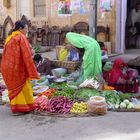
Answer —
106 87
47 93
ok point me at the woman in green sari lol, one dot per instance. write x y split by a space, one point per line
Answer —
92 64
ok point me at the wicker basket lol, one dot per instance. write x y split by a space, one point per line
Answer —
69 65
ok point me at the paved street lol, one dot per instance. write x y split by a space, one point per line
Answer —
113 126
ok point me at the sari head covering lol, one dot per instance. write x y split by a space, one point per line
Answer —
117 71
92 64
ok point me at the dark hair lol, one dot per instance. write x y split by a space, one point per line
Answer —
138 3
19 25
37 57
81 52
101 44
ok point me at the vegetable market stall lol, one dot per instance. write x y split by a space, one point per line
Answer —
70 99
61 95
90 98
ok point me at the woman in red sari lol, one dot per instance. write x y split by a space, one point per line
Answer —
123 78
18 69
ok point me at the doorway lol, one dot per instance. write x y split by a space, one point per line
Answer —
132 40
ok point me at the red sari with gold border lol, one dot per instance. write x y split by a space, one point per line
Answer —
17 69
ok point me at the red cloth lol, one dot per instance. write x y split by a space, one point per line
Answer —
116 71
17 64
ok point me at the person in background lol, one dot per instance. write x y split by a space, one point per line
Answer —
43 65
92 65
106 70
18 69
73 53
135 17
123 78
104 50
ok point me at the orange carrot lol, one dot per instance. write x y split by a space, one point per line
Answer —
47 93
106 87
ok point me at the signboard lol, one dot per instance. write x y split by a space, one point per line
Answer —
77 6
64 8
106 5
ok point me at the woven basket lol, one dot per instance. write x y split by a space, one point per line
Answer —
69 65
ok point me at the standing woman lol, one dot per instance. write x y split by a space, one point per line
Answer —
92 64
18 69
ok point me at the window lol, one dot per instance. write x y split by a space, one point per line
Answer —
39 8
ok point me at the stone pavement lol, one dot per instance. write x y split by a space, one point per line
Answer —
128 55
113 126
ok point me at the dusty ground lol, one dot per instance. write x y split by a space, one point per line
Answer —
113 126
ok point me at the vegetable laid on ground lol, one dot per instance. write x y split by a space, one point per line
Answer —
48 93
79 107
86 93
41 103
90 83
60 104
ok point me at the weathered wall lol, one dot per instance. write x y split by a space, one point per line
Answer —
76 17
106 18
52 17
4 12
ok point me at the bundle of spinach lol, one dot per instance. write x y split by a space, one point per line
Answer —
112 97
124 96
58 85
67 92
37 49
86 93
63 90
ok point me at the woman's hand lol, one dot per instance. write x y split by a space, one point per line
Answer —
121 81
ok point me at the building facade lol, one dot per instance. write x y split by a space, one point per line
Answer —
109 13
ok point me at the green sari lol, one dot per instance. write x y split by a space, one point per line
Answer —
92 64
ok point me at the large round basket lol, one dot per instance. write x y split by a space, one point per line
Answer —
69 65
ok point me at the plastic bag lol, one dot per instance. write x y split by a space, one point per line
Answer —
97 105
62 54
136 103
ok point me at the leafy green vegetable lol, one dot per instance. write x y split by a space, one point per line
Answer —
67 92
58 85
86 93
37 50
111 97
123 105
63 90
125 96
73 83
